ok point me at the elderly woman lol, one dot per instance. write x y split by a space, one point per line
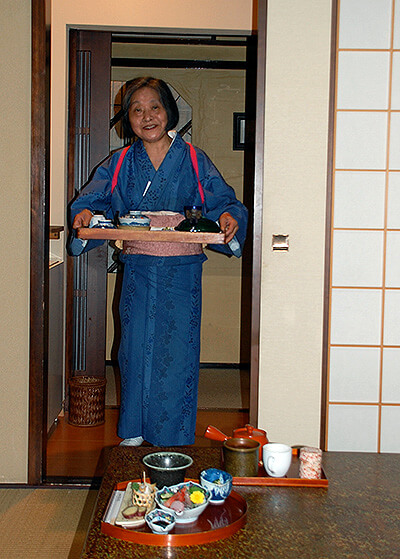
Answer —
160 306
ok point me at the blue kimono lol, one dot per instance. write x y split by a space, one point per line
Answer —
160 307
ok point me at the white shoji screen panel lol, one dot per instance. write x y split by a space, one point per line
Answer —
364 341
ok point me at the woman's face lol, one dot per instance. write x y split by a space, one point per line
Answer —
147 116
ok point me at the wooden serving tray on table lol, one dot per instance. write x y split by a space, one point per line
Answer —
292 478
150 235
215 523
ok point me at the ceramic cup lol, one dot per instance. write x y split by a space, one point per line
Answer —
241 457
277 458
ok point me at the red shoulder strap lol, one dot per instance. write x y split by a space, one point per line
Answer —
193 157
118 167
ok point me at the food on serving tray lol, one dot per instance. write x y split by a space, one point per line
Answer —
133 511
140 503
187 497
187 500
218 482
160 522
143 494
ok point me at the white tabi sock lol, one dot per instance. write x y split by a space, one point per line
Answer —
135 441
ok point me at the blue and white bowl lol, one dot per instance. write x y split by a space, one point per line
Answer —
101 222
138 221
160 522
187 515
219 484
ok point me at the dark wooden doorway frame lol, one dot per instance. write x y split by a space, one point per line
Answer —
39 247
258 209
40 228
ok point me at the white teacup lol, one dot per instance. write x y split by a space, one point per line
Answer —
277 458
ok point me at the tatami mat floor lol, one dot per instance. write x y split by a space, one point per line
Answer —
44 523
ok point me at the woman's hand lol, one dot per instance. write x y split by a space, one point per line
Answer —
82 219
228 225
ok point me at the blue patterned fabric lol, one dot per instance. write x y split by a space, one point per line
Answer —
173 186
160 305
160 362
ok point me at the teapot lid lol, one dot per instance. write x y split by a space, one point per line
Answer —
250 431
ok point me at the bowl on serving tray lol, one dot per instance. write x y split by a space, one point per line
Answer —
186 500
167 468
159 521
219 484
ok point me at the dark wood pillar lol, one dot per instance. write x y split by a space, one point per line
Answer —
39 249
89 125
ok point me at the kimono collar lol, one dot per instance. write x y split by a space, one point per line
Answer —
172 134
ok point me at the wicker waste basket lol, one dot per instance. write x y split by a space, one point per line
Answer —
87 401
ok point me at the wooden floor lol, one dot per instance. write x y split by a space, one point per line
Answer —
82 452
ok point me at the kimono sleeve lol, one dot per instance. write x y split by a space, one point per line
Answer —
220 198
96 197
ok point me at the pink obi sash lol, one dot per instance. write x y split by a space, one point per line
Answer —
162 248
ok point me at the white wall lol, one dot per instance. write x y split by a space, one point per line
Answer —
296 131
15 99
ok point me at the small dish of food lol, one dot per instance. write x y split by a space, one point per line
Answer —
218 482
186 500
138 500
160 522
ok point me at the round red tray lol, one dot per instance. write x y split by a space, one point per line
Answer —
215 523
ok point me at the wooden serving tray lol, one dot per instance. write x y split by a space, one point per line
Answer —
215 523
161 236
292 478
